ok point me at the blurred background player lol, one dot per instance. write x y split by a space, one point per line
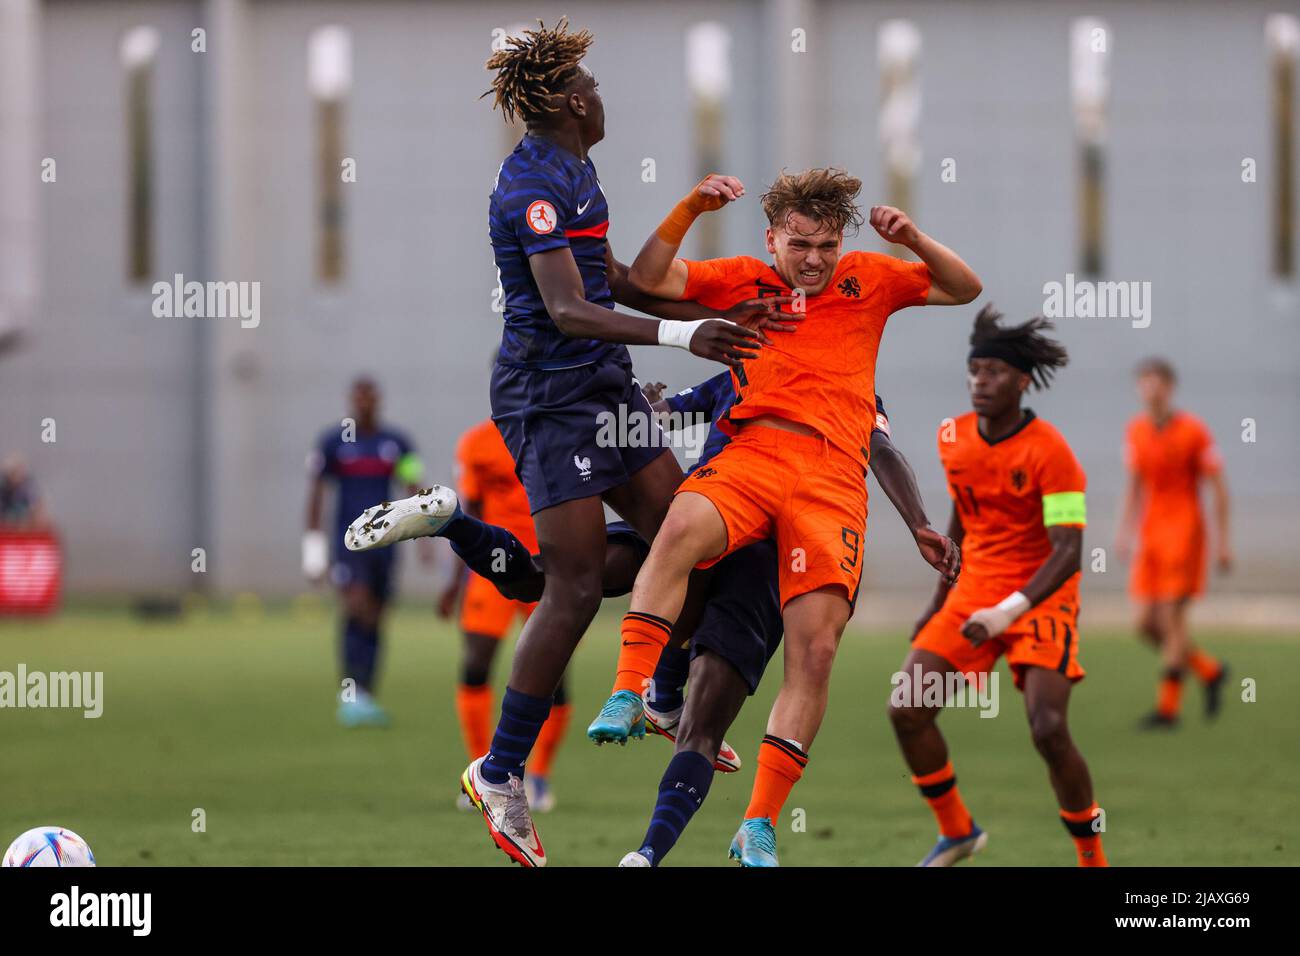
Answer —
362 458
1018 514
1169 453
21 506
490 491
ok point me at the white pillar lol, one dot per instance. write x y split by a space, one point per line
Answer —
229 412
20 164
797 58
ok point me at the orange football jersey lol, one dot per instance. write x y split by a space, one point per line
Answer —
486 474
1007 493
822 375
1170 461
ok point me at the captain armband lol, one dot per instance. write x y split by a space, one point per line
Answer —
1065 507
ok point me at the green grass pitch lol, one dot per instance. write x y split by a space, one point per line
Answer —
232 712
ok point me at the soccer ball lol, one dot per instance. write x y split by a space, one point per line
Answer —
49 846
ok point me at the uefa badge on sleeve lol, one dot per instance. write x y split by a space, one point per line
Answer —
541 217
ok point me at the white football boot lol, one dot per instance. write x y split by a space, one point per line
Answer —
541 798
505 811
665 724
635 858
423 514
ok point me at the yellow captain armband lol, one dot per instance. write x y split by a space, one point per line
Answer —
1065 507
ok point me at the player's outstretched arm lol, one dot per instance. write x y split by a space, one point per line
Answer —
757 315
1063 563
952 282
315 546
957 534
560 285
656 269
1219 486
1128 516
894 472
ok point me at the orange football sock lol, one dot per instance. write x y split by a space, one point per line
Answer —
1206 666
940 791
474 708
1087 842
548 741
1170 697
780 765
644 637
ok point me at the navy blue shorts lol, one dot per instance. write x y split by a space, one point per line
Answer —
622 531
550 421
742 619
374 569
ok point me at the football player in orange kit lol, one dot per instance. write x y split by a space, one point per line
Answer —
1169 452
795 467
1018 513
490 491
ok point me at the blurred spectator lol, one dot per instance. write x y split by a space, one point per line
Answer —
21 507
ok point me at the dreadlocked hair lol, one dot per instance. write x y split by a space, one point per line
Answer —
532 69
826 196
1039 355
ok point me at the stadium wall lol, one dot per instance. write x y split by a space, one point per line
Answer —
178 433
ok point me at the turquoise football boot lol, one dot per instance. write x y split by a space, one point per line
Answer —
951 849
362 712
754 843
623 716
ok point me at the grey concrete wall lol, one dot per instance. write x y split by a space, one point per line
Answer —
135 490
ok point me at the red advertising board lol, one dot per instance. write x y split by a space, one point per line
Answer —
31 572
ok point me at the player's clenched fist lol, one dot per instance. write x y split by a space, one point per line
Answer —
894 225
940 551
716 190
989 622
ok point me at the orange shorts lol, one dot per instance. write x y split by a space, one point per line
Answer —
1167 574
484 611
1046 636
798 489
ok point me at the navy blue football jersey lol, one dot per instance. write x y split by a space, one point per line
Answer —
546 198
364 470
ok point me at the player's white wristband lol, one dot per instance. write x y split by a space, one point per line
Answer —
677 332
1014 605
315 554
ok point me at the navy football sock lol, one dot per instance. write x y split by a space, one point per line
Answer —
683 788
521 721
670 677
360 651
489 551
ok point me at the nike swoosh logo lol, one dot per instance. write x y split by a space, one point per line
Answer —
583 207
637 644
